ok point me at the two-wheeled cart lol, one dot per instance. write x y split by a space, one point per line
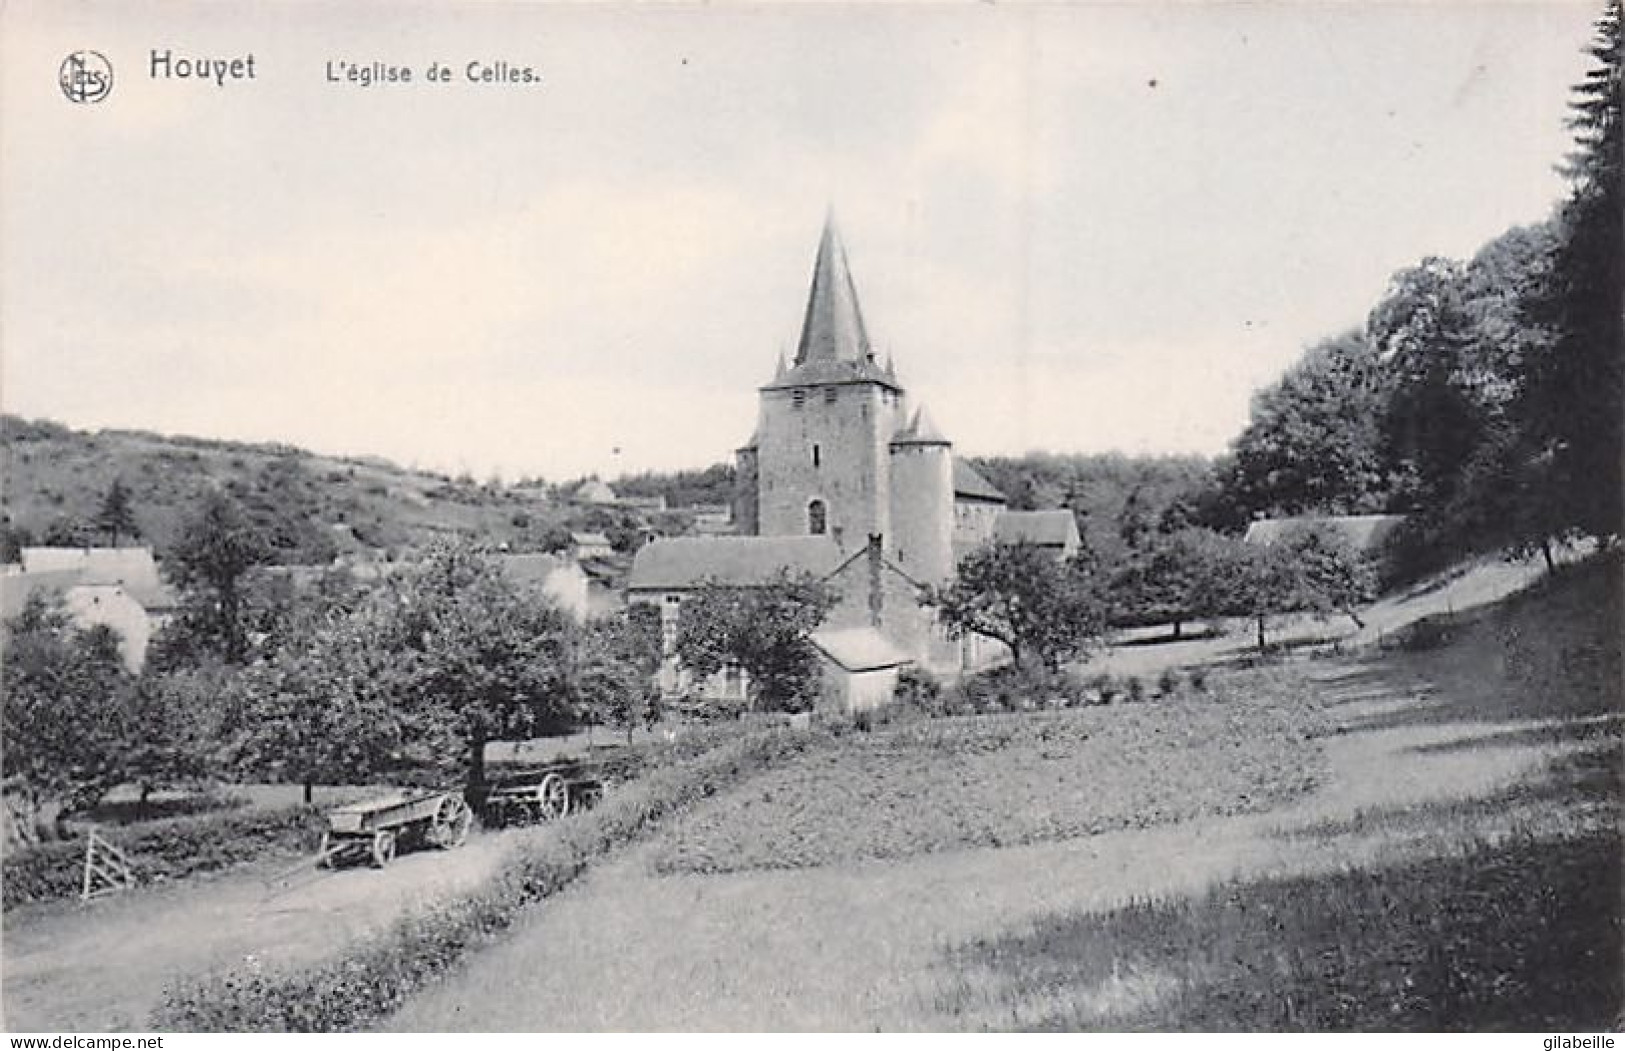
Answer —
374 829
543 794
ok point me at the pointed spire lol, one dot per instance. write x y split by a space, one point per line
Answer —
833 327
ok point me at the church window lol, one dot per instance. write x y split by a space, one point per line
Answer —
816 518
798 398
829 395
816 459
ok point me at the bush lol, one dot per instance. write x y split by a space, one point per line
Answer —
1103 688
919 689
133 811
1168 683
174 848
1199 679
374 978
1136 689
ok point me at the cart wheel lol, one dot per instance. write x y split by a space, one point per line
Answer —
383 848
554 797
451 823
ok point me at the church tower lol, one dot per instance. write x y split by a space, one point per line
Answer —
822 449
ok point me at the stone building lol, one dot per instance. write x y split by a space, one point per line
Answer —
842 460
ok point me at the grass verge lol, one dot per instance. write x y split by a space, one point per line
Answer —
1522 934
373 978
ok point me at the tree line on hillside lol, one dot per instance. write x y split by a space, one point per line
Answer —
1483 399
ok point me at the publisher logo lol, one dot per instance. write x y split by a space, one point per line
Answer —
86 76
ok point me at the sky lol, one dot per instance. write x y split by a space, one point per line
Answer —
1076 227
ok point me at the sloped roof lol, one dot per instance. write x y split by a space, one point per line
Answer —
594 491
1363 532
132 568
15 588
859 649
534 568
1057 528
683 562
589 540
921 430
969 482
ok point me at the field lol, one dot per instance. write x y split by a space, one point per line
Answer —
1003 780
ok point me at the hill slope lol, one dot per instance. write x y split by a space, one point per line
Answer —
311 507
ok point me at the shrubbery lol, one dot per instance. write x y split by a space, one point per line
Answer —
164 850
1009 689
374 978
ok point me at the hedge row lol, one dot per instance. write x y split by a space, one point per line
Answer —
172 848
376 976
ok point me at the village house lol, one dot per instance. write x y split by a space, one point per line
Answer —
1055 532
558 577
591 545
119 587
1365 534
595 492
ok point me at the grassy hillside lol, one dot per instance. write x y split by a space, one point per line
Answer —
1491 911
310 507
1551 652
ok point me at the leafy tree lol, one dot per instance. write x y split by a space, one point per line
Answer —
1021 596
65 714
482 660
116 517
426 667
713 485
1425 334
177 725
1263 585
325 708
1315 442
764 630
13 538
1570 409
67 531
1327 575
216 549
1162 583
615 675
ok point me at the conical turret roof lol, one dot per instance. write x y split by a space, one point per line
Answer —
922 430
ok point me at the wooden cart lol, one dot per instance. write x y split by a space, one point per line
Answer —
373 829
542 794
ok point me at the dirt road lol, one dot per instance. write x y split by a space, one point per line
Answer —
103 966
855 947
